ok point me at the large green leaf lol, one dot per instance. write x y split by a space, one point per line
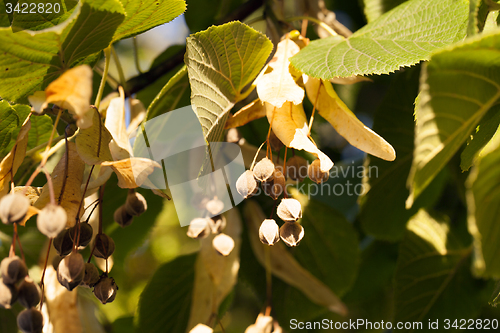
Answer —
143 15
375 8
385 182
433 279
402 37
165 302
483 199
51 14
31 60
221 61
10 121
459 85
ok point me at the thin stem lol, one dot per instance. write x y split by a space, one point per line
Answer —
45 156
51 187
104 78
220 324
269 134
256 154
314 109
37 148
16 236
269 279
42 284
136 55
315 20
118 67
101 198
304 28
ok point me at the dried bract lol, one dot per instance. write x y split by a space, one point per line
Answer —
71 271
223 244
269 233
246 185
13 208
13 270
199 228
105 290
289 210
30 321
315 174
263 170
51 220
291 233
104 246
29 293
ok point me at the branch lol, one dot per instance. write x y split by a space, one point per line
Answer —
139 82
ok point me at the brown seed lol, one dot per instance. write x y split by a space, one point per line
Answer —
199 228
55 261
276 186
29 293
104 246
13 270
51 220
122 217
136 204
217 223
30 321
223 244
289 210
86 233
246 185
13 208
63 243
201 328
296 168
263 171
315 174
105 289
291 233
71 271
215 206
8 294
269 232
91 275
275 143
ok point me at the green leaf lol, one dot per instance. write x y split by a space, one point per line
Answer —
10 121
51 14
221 61
385 182
373 9
402 37
460 84
165 302
433 279
331 239
41 126
483 201
484 132
31 60
478 11
143 15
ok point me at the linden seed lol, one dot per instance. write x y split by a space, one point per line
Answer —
105 289
136 204
30 321
104 246
217 223
13 270
71 270
275 143
122 217
29 293
233 135
291 233
201 328
91 275
269 232
246 185
63 243
13 208
315 174
215 206
276 186
86 232
263 170
289 210
8 294
199 228
51 220
296 168
223 244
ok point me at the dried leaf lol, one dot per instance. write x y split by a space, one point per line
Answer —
71 91
92 143
278 86
251 111
290 125
71 184
215 275
115 123
32 192
132 172
103 173
137 114
285 267
331 107
14 158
